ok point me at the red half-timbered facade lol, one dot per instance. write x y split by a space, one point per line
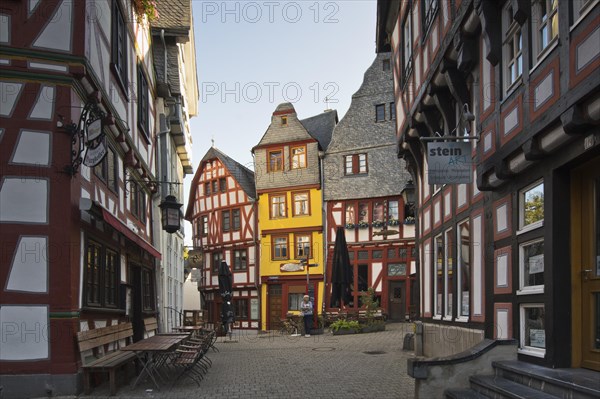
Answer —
222 210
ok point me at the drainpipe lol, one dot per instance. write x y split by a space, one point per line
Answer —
325 232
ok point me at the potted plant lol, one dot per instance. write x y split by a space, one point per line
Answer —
350 226
147 8
371 305
362 224
409 220
378 223
344 327
393 222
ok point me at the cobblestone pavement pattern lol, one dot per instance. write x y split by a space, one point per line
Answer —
276 366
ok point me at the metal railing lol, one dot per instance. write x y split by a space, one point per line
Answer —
172 317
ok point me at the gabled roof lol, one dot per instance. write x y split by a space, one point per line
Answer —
174 16
320 127
243 175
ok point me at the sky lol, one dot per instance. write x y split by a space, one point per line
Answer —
253 55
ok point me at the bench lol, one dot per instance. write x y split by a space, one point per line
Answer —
99 351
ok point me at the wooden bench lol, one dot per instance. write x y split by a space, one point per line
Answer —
99 351
150 327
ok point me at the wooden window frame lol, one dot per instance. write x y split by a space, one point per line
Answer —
102 171
537 26
284 120
296 247
148 290
119 49
460 267
429 10
214 186
511 30
279 164
204 228
207 188
143 103
214 265
274 245
223 184
226 221
292 157
407 46
377 108
271 197
355 159
240 267
393 111
522 193
236 219
103 278
308 208
137 202
237 307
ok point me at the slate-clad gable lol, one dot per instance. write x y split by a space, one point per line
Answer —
358 132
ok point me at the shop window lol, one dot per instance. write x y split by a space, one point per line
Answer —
240 309
531 207
378 212
363 212
393 212
295 295
448 275
438 277
101 276
464 269
350 214
531 267
533 330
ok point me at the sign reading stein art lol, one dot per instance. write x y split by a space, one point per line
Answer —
95 143
449 162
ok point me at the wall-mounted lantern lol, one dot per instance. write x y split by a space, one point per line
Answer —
171 214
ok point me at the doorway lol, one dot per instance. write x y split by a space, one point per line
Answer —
397 300
275 307
585 244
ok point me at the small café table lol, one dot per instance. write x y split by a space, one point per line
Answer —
194 330
156 348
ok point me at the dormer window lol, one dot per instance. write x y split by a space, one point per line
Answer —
284 121
386 64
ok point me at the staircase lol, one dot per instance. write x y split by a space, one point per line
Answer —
515 379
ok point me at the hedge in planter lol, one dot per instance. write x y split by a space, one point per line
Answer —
342 327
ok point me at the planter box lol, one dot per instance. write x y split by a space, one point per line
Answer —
345 331
373 328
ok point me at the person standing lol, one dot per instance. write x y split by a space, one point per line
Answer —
307 311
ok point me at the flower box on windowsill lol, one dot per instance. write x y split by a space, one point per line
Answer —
409 220
362 225
393 222
378 223
350 226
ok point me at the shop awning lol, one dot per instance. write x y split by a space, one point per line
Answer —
120 226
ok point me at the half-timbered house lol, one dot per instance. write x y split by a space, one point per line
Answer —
78 164
287 165
514 254
222 209
363 182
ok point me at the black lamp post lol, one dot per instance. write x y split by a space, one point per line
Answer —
408 195
170 210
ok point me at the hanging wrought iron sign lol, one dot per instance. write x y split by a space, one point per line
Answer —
87 137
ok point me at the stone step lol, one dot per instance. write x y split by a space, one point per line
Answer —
464 394
564 383
501 388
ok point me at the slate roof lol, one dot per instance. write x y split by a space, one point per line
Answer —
173 15
243 175
320 127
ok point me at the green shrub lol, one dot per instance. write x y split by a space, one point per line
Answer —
344 325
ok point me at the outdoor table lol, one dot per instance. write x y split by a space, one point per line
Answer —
155 347
194 330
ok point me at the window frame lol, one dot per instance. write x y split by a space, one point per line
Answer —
293 156
522 195
528 349
236 219
429 10
223 184
274 247
510 31
271 203
355 163
294 202
119 48
226 221
279 163
438 302
537 25
143 103
207 191
137 201
297 237
243 266
238 305
204 228
103 276
102 171
448 304
379 107
216 258
393 111
148 290
407 46
284 120
530 289
459 270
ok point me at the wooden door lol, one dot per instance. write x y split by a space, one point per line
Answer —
275 307
586 264
397 300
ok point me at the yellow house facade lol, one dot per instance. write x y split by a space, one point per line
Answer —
290 212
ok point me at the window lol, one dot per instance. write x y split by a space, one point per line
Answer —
236 219
147 290
240 308
138 201
396 269
544 25
362 283
92 272
531 267
438 280
355 164
533 330
386 64
429 11
143 103
512 48
204 226
448 275
278 206
464 269
119 45
284 121
214 186
108 170
275 161
301 204
295 294
207 189
363 212
240 259
226 221
350 214
531 206
223 184
302 246
407 47
380 113
298 157
393 211
581 8
392 111
217 257
280 247
111 278
378 212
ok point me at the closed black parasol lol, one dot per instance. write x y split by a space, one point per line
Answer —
225 288
342 276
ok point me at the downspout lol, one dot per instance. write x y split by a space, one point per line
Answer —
325 235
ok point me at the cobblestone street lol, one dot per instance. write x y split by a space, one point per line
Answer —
275 366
